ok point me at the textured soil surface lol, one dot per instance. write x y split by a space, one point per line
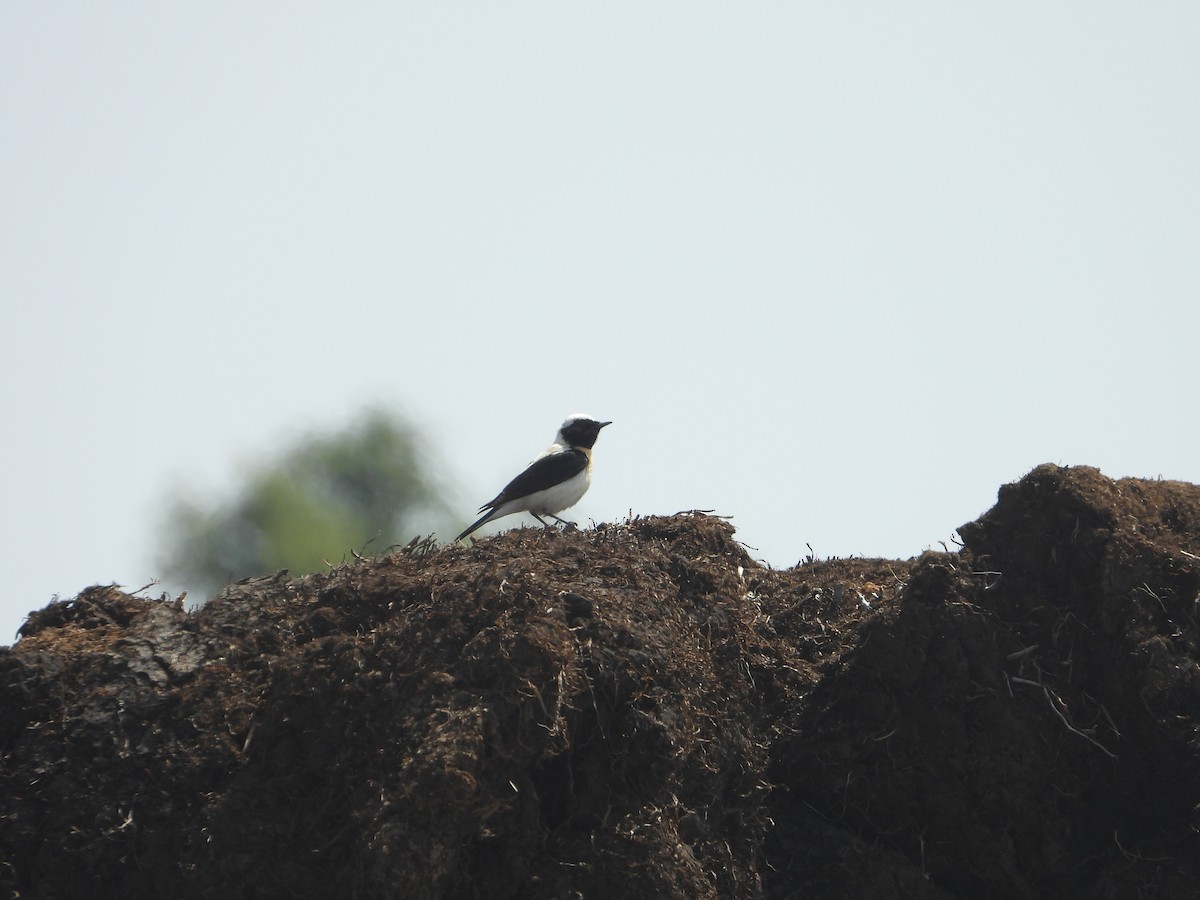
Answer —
640 710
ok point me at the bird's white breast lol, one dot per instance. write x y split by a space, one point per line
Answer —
561 496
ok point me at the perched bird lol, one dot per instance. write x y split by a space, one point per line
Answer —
554 481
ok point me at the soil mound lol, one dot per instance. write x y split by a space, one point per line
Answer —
640 710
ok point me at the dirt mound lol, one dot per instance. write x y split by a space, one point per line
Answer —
639 710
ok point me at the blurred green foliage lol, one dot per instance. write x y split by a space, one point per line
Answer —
362 489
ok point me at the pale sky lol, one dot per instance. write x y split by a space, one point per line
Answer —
838 271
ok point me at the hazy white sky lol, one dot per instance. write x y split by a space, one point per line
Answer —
835 270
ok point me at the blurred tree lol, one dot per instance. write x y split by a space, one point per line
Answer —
366 485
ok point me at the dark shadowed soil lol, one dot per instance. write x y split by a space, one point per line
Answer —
635 711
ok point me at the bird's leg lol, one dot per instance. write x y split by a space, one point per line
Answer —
545 524
566 523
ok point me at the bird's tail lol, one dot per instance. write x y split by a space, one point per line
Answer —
480 521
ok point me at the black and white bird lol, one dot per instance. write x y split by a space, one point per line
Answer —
554 481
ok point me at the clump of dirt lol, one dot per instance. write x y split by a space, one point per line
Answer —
637 710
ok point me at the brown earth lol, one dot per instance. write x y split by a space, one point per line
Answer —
635 711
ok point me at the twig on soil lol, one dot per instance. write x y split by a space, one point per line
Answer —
1138 856
990 585
1145 587
1050 698
1020 653
1019 680
1111 723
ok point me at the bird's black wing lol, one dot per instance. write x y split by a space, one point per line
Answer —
541 474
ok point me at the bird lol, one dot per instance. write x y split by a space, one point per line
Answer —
555 481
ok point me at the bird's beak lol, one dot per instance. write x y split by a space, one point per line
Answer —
602 424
